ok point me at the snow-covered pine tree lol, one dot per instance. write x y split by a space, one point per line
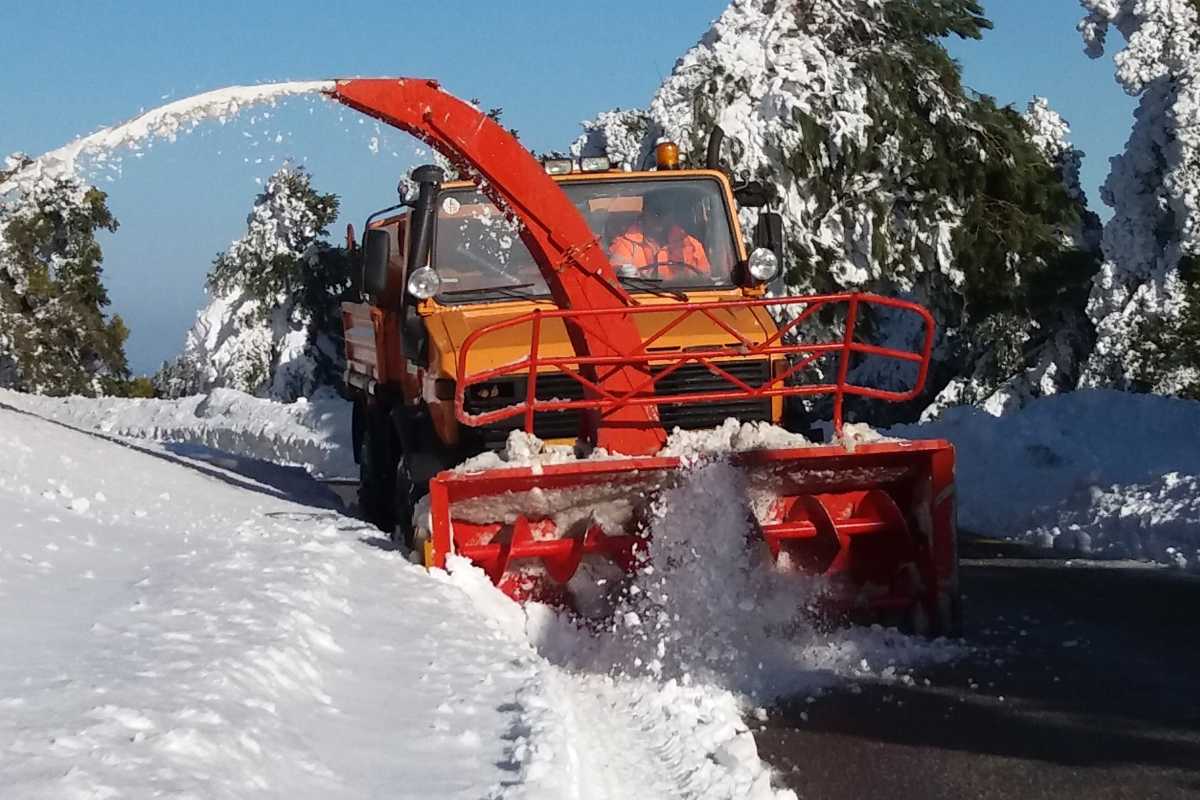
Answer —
1146 301
1049 358
273 310
890 175
54 335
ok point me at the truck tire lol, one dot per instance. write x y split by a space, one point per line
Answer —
377 471
420 456
405 494
950 615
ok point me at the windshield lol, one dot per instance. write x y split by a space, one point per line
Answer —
658 234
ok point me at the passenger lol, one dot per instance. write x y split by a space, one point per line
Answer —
658 246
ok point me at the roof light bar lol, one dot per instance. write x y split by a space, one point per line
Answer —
559 166
595 164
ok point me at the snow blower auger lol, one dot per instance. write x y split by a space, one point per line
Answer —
599 307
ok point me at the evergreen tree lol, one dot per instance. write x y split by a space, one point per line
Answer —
1181 338
54 335
1146 304
891 176
272 325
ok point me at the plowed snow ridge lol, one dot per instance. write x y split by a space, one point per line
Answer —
312 433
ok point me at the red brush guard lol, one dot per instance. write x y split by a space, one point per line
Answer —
878 519
591 371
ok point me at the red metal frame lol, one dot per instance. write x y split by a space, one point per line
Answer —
599 397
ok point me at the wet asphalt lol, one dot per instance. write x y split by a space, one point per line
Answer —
1082 681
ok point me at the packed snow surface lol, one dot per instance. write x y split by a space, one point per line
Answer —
199 627
1091 472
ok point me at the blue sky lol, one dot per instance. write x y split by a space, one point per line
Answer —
76 66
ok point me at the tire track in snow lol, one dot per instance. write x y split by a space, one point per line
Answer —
590 736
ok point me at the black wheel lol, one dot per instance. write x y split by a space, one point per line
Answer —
377 471
404 532
918 619
950 616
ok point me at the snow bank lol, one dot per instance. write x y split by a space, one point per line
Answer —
184 634
312 433
1094 471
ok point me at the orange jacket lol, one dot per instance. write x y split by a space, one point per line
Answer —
634 247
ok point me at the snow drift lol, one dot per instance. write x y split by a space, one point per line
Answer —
1091 472
312 433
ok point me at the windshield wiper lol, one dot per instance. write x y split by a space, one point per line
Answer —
511 290
651 285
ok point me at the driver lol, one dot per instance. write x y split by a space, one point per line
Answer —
658 246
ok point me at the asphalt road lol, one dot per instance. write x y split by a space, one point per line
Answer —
1083 682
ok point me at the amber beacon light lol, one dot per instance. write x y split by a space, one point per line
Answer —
666 155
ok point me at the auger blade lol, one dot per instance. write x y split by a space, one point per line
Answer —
878 520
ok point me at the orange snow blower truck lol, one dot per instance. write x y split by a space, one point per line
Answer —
599 307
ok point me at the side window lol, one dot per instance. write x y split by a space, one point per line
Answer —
397 230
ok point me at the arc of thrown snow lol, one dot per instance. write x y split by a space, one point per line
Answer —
164 122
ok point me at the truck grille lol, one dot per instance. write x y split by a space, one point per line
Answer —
688 379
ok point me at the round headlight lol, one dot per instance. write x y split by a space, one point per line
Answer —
764 265
424 283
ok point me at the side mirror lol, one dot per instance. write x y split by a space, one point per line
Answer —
768 234
753 194
377 250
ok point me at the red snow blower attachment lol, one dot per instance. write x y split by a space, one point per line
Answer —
876 517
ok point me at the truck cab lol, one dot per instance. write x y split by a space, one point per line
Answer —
673 238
